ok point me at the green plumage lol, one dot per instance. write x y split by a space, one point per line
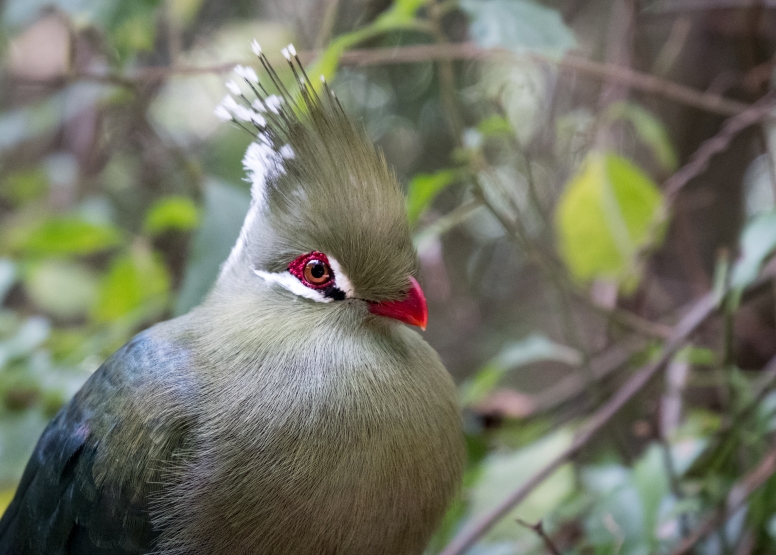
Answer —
263 421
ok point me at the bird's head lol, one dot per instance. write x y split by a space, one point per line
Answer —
327 221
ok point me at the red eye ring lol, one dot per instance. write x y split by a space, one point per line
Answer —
313 269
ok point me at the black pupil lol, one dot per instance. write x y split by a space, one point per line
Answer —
318 270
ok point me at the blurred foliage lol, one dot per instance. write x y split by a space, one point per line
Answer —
606 217
546 240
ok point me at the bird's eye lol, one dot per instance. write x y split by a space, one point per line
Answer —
313 270
317 272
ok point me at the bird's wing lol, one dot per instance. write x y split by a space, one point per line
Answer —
86 488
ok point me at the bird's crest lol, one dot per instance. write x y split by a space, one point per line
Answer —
272 118
318 185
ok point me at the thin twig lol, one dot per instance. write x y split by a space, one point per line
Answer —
571 62
603 365
699 161
699 312
539 529
625 318
515 229
643 82
737 498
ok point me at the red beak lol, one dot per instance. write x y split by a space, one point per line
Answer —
411 310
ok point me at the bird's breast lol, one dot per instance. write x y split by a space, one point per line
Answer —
342 452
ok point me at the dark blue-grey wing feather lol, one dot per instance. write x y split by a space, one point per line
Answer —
59 509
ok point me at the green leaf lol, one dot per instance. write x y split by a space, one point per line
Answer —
17 126
608 215
69 236
183 11
536 348
518 25
758 185
503 472
32 333
408 8
651 481
423 189
171 213
532 349
223 214
24 186
758 241
476 388
61 288
326 65
135 33
135 282
617 517
697 356
400 13
649 129
494 125
16 432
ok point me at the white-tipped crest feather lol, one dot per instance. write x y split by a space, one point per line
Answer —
233 87
247 73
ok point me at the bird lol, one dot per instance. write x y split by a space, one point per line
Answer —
296 410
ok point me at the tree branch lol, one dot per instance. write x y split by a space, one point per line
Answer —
643 82
699 312
699 161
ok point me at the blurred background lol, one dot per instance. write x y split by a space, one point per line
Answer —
591 187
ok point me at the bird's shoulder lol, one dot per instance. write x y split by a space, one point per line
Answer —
88 484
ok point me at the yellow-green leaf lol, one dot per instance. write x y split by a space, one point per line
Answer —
69 236
171 213
608 215
137 280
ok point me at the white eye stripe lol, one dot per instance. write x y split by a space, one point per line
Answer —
340 279
290 282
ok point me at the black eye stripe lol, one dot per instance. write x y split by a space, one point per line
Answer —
334 293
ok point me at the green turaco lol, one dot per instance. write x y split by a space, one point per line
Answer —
293 412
